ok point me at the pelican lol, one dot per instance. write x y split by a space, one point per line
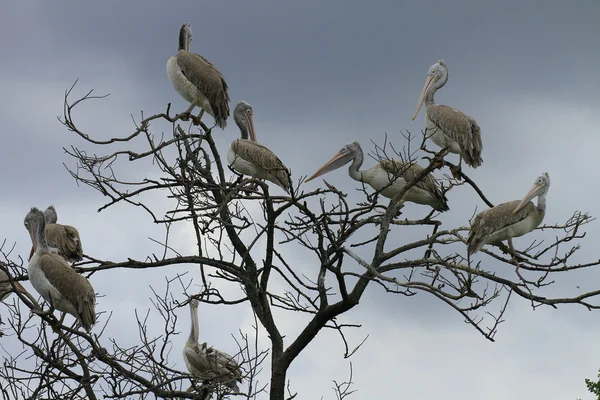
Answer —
511 219
61 239
198 81
52 277
248 157
5 287
447 126
388 176
207 363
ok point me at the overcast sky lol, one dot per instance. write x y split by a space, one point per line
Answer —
320 75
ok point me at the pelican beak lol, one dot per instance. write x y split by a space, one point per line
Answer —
426 87
32 243
533 193
251 130
339 160
20 287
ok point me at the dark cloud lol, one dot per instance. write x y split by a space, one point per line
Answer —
319 75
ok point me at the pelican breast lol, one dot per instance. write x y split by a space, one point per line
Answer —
449 127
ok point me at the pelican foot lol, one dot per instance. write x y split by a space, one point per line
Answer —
250 189
185 116
456 172
516 259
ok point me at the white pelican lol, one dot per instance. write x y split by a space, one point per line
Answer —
388 176
5 286
447 126
207 363
63 240
511 219
248 157
198 81
52 277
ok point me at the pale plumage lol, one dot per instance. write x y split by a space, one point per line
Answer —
52 277
388 176
447 126
198 81
207 363
248 157
511 219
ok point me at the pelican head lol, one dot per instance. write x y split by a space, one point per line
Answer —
539 188
185 37
436 78
243 118
343 157
50 215
34 223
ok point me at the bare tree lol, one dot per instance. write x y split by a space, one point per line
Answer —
244 236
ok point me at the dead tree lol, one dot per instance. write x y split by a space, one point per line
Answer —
244 236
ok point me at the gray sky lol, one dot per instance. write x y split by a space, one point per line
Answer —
320 75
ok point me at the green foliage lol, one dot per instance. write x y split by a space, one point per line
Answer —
594 386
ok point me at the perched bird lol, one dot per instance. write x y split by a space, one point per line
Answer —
61 239
447 126
6 288
198 81
52 277
248 157
511 219
388 176
207 363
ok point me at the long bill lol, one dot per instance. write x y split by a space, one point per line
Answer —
33 243
251 130
339 160
426 87
533 193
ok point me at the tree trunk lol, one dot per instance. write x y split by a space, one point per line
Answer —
278 374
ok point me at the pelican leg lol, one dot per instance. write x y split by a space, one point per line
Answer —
456 171
513 254
189 110
196 120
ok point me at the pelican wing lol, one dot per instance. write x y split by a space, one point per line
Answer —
72 286
494 219
225 364
5 287
461 128
410 172
210 363
264 159
66 239
207 78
